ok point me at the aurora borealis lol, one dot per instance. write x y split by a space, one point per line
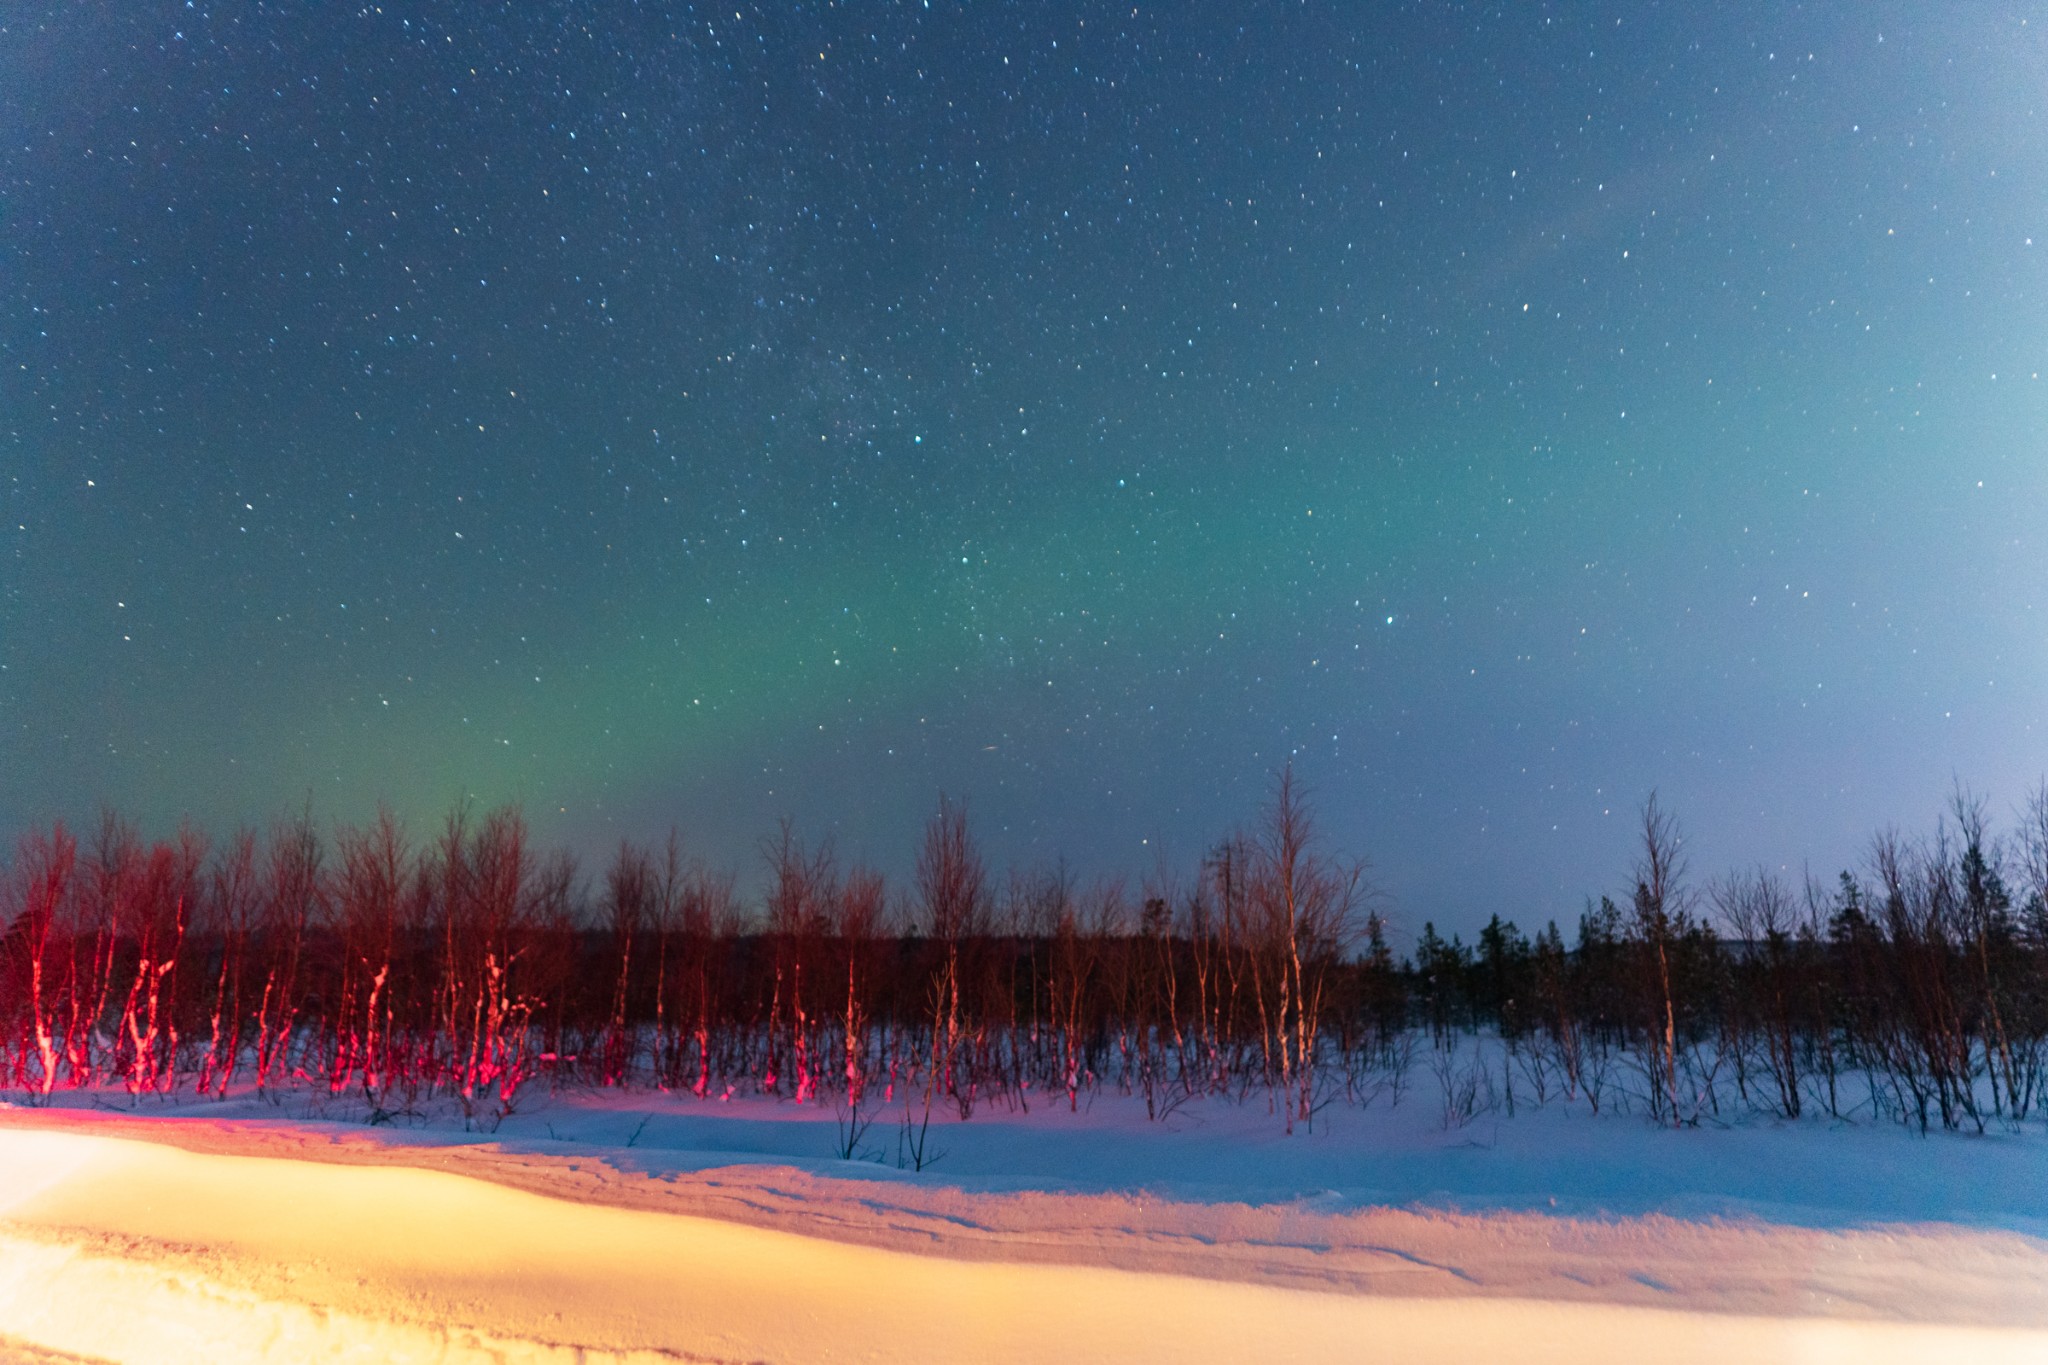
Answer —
698 415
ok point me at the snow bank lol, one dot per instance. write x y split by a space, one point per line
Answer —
127 1251
209 1238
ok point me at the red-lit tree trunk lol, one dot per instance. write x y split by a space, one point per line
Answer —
41 886
291 902
232 897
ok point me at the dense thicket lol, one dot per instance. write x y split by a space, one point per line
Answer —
468 967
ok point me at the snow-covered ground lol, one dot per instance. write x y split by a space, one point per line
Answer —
630 1222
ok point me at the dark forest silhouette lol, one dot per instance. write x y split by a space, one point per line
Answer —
468 968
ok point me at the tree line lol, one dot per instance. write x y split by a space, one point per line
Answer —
468 967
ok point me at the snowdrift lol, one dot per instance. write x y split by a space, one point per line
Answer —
170 1239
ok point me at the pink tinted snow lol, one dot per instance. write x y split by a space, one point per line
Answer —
230 1233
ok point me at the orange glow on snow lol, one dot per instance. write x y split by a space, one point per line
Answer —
131 1251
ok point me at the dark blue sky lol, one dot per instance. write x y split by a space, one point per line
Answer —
701 415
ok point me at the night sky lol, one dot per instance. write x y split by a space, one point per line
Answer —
699 415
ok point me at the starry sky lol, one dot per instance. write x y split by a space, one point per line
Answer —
698 415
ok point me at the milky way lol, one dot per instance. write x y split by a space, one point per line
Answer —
704 417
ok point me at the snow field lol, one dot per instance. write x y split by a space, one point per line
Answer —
122 1250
